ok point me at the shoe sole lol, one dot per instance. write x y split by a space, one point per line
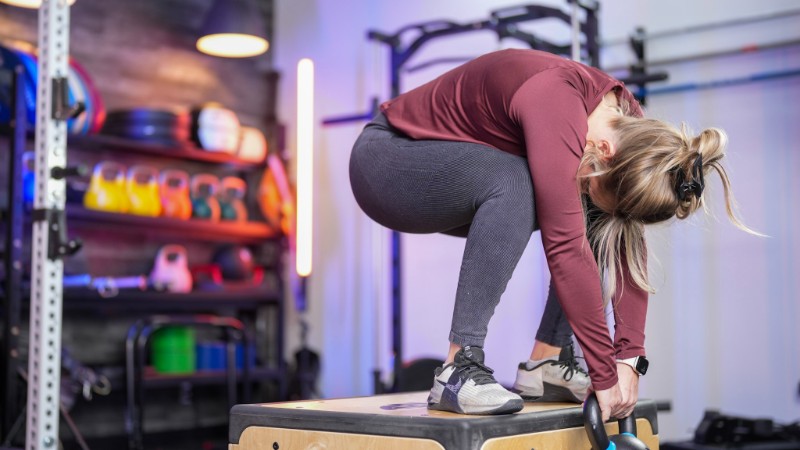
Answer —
525 397
509 407
556 394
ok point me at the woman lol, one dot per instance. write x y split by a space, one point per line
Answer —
504 145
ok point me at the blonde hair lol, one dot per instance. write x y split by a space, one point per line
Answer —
641 177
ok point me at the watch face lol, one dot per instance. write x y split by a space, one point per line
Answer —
642 364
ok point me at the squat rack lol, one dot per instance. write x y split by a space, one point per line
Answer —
50 243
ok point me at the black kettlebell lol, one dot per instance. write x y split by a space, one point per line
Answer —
593 423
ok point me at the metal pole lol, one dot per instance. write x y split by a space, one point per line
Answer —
709 26
44 356
576 32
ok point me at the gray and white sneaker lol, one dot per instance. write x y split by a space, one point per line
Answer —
553 381
466 386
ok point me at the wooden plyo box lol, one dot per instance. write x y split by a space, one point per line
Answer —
402 421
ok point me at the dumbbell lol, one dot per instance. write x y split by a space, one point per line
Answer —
596 431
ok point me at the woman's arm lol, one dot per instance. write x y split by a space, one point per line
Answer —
551 111
630 311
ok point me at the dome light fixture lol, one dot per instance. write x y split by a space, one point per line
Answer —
30 4
233 29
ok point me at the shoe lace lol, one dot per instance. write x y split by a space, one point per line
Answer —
571 366
475 370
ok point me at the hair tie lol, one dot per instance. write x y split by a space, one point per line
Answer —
683 188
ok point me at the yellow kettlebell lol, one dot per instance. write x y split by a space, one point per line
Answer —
142 188
174 188
107 188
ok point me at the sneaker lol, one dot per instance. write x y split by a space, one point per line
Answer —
553 381
466 386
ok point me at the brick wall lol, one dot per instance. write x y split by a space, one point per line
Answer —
142 53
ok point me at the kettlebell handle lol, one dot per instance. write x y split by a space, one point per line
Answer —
593 424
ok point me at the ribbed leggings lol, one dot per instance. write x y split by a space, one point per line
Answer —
460 189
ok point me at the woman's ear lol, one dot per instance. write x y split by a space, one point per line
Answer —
607 149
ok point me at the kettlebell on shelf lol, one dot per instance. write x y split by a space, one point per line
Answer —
204 201
171 270
107 188
174 189
231 199
142 188
596 431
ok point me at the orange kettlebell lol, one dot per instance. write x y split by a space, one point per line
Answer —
142 188
175 200
107 188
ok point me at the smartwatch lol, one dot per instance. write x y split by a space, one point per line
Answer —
638 363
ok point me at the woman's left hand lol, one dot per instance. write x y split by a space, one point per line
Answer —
629 386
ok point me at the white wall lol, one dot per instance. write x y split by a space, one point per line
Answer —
722 330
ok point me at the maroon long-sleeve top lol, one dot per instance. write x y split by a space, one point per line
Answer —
535 104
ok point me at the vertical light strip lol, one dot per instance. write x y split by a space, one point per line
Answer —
305 163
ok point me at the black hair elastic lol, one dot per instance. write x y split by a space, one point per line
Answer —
683 188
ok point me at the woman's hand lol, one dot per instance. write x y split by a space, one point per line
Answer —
609 400
629 387
619 400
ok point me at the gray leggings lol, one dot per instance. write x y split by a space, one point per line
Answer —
460 189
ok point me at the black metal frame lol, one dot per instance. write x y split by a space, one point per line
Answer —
12 258
136 356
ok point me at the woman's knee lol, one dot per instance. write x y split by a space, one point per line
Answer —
515 190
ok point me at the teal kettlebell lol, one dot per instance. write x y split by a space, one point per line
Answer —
204 201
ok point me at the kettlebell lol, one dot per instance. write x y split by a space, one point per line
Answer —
593 423
171 270
204 201
142 188
231 199
107 188
174 189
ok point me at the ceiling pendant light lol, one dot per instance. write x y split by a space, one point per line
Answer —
32 4
233 29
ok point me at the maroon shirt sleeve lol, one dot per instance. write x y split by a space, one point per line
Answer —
551 110
630 311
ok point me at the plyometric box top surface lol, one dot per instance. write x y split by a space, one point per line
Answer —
407 415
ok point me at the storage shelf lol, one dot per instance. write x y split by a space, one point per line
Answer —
184 152
241 232
207 377
152 301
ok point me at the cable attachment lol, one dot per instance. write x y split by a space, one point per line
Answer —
61 108
59 245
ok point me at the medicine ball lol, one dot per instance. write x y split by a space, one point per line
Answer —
235 262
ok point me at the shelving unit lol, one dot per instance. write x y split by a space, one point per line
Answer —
183 152
233 232
207 377
138 301
240 301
